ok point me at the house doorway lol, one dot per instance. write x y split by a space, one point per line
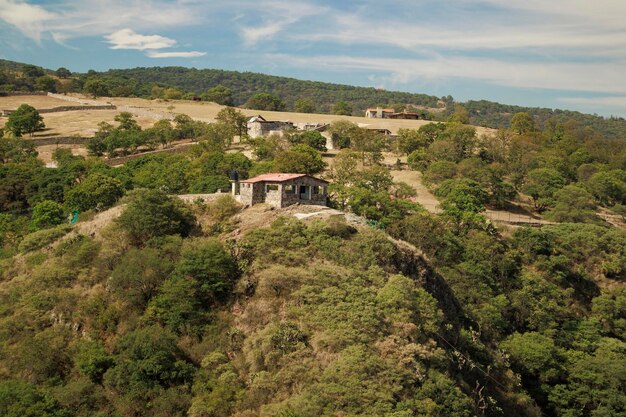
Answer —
304 192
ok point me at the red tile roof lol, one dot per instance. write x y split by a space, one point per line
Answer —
273 177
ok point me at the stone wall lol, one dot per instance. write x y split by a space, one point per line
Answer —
250 194
67 108
22 93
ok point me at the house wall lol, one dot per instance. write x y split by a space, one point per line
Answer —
258 129
250 194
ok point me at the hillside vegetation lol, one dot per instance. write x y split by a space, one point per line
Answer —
268 92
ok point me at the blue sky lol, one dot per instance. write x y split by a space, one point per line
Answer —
551 53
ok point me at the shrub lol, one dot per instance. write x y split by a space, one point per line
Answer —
41 238
152 213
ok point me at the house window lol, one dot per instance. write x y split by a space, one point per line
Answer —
271 187
317 189
290 189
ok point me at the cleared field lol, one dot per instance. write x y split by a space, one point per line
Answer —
38 102
206 111
81 123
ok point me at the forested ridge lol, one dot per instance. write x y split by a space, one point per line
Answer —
119 299
239 88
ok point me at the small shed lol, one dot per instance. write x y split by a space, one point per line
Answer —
281 190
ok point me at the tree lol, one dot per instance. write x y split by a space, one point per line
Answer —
522 123
153 213
573 204
265 101
304 105
126 121
342 108
234 119
301 159
541 185
25 119
138 275
312 138
21 399
97 191
46 83
460 115
609 187
32 71
209 265
220 95
96 88
63 72
342 132
47 214
410 140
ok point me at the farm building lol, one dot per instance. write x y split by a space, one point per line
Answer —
379 113
405 115
281 190
258 126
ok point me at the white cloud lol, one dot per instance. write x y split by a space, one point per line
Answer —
30 19
78 18
593 77
608 101
276 16
190 54
129 39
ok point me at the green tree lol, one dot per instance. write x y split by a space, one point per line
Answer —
541 185
234 119
138 275
96 87
209 265
342 108
410 140
300 159
126 121
46 83
460 115
312 138
572 204
522 123
153 213
96 191
32 71
220 95
47 214
63 72
93 360
265 101
25 119
304 105
609 187
21 399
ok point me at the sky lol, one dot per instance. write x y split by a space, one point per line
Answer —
568 54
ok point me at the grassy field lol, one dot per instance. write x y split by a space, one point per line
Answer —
85 123
38 102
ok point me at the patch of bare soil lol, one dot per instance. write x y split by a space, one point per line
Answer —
94 226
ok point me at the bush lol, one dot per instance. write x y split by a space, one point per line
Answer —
41 238
152 213
47 214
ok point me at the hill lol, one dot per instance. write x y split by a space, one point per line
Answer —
320 96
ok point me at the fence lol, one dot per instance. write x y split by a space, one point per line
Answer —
137 111
498 216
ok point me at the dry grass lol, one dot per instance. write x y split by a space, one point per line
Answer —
38 102
81 123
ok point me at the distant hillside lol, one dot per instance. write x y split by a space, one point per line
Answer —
322 96
246 84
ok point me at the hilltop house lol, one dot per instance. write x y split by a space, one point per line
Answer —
379 113
258 126
280 190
